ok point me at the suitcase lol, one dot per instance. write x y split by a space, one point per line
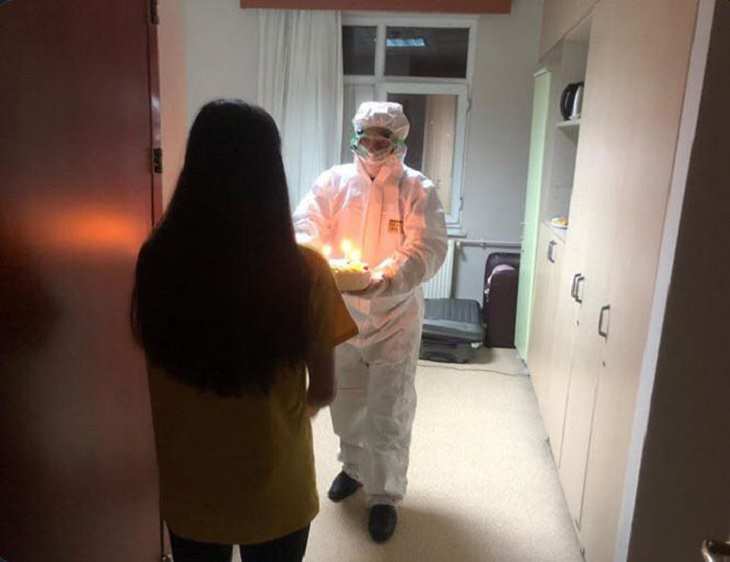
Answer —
452 330
499 303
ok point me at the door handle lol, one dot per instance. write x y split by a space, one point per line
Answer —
711 548
601 331
551 246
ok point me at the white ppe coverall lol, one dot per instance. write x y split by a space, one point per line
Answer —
397 221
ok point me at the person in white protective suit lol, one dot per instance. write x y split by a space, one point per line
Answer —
393 214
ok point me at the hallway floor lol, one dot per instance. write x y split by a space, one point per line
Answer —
482 483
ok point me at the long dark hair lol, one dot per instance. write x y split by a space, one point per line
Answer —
221 288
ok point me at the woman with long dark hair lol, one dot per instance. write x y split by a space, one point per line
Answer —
231 313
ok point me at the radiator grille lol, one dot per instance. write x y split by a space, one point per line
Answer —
439 286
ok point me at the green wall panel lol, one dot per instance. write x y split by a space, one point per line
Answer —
540 107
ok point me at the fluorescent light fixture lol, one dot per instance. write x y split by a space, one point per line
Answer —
400 42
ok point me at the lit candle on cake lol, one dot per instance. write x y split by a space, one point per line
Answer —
349 272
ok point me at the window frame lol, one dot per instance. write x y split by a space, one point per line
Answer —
460 91
382 84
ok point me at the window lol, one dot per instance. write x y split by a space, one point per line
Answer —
426 51
358 46
425 65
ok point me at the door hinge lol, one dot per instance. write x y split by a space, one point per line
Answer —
154 12
157 160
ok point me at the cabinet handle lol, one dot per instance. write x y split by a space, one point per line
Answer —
711 548
601 332
551 246
573 286
578 293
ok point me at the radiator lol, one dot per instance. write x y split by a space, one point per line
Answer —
439 286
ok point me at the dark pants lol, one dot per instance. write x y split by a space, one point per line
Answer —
289 548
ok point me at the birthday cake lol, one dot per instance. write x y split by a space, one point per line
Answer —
350 275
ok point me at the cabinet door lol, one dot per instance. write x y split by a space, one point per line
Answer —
592 224
577 352
561 351
649 45
585 369
543 319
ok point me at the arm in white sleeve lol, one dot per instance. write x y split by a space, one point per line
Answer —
313 217
424 248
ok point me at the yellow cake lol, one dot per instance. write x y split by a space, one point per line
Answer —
350 275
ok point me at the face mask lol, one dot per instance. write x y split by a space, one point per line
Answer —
374 144
372 167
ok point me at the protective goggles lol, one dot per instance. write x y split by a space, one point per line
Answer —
375 142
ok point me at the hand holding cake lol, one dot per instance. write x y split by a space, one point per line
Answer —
349 272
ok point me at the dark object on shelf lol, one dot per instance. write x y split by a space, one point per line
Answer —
452 330
571 101
499 305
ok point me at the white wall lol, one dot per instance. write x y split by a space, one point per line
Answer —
499 137
222 61
221 43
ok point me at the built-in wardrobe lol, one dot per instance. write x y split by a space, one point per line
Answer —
586 293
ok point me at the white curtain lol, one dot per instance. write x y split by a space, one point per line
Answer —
300 84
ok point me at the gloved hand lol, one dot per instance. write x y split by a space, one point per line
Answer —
379 282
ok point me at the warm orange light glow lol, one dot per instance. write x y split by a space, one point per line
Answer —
327 251
94 230
355 255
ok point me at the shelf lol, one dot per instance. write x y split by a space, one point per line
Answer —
558 232
568 124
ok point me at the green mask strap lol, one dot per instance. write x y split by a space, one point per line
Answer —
360 150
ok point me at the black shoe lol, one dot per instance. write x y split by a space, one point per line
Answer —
343 487
383 519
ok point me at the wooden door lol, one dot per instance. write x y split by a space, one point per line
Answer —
78 479
650 44
686 450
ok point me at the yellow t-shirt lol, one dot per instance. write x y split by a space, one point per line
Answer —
240 470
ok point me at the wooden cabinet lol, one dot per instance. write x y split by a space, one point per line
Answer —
559 17
589 241
588 364
548 272
646 45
